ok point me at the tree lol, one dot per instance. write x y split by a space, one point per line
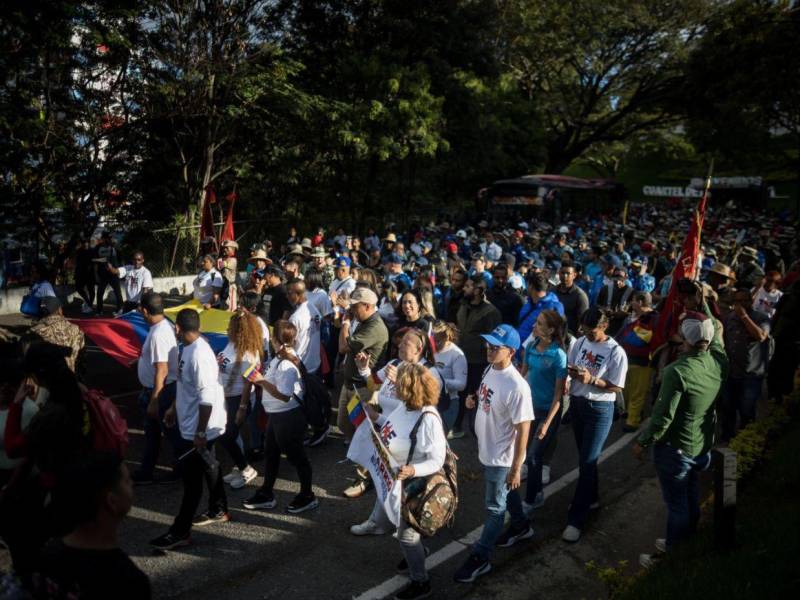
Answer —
744 77
599 72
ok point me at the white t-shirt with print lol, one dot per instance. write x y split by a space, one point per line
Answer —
606 360
767 301
206 284
160 346
431 448
230 372
198 385
136 280
307 321
286 377
504 400
343 286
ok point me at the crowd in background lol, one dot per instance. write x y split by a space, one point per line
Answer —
505 328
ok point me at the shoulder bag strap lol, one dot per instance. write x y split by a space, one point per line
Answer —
413 434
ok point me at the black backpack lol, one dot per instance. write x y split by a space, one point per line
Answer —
316 402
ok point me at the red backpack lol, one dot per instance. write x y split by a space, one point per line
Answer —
109 429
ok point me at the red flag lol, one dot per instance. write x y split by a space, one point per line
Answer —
686 267
207 222
227 230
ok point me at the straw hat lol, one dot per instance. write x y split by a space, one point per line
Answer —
722 270
259 255
231 244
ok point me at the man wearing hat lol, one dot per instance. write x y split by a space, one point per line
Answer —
319 260
502 423
388 243
395 273
259 259
343 285
681 428
54 328
720 279
641 280
749 273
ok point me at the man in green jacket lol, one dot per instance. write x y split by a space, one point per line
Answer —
476 316
681 429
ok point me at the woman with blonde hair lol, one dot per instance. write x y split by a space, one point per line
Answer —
245 348
418 391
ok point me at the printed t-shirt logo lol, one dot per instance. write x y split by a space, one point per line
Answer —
591 360
485 397
387 433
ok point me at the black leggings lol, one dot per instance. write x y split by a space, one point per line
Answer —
231 435
285 433
101 291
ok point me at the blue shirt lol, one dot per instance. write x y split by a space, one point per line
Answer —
530 312
487 277
544 368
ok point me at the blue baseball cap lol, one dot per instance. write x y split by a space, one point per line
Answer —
503 335
343 261
394 259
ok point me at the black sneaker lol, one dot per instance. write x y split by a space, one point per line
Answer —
140 478
260 500
208 518
414 591
302 503
317 437
472 569
402 566
169 540
511 536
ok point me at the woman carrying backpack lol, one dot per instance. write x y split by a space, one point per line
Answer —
245 349
283 386
413 347
417 390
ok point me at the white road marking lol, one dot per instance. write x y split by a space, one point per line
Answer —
393 585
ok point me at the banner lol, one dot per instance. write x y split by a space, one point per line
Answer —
686 267
368 450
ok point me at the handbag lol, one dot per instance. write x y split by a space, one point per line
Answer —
30 305
429 503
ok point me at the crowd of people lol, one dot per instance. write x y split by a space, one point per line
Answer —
506 331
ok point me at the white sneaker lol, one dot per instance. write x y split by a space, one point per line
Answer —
648 560
523 472
243 478
86 309
538 502
545 474
235 472
368 527
661 545
571 534
118 313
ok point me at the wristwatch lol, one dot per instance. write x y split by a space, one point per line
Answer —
200 434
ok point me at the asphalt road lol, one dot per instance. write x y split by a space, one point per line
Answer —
271 554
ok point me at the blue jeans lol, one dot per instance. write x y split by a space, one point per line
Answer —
537 450
449 414
591 422
678 476
153 428
739 399
495 498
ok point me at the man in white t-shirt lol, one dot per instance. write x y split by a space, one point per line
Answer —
137 280
199 410
344 284
502 424
307 320
157 369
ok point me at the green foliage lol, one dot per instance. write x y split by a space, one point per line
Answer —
615 579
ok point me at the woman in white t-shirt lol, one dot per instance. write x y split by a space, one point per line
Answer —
452 366
283 386
418 391
413 347
597 366
244 350
208 283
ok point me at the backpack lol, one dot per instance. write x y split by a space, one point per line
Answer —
109 429
316 401
431 502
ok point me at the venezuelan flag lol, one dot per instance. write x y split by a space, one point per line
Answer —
122 338
355 411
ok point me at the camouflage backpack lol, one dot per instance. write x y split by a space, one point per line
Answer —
430 502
